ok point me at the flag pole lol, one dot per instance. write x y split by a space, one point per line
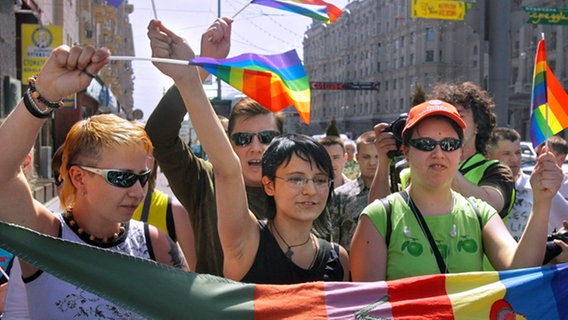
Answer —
162 60
154 9
243 8
546 107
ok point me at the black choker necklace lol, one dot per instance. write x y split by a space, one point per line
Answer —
289 253
91 239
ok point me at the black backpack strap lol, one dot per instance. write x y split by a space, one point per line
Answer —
386 204
476 213
146 206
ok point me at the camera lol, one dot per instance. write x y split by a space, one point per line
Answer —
552 249
396 128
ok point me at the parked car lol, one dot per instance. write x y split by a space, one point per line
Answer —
527 153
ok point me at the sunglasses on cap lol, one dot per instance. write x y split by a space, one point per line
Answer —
429 144
119 178
242 139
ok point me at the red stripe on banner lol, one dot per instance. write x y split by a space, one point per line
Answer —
428 296
291 302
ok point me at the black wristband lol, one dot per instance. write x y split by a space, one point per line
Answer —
33 108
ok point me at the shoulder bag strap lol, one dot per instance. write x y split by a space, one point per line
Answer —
441 264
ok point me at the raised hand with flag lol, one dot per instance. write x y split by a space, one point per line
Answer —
297 175
549 102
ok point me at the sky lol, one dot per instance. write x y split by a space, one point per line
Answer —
257 29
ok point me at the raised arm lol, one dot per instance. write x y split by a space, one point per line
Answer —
61 75
238 229
501 248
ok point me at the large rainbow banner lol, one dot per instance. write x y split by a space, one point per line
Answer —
160 292
275 81
549 101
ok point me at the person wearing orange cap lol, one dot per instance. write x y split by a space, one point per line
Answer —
429 228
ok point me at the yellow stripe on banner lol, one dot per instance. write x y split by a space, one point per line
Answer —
472 296
438 9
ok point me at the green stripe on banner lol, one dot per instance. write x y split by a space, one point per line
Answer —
151 289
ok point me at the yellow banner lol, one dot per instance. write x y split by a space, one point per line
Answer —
37 43
439 9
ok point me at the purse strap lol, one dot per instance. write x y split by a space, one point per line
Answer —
424 226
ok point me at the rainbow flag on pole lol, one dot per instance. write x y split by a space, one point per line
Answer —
549 102
160 292
315 9
275 81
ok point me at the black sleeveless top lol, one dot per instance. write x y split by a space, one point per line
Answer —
271 266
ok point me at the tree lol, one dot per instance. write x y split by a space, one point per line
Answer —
332 129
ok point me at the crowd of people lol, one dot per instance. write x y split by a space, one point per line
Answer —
267 206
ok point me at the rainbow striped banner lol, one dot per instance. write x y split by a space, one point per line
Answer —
534 293
275 81
549 102
315 9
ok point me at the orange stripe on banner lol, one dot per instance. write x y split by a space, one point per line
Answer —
429 293
291 302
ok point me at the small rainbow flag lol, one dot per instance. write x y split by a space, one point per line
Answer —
275 81
533 293
315 9
549 103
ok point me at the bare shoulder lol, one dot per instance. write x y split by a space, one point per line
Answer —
166 250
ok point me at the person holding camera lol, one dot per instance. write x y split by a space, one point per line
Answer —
488 180
429 228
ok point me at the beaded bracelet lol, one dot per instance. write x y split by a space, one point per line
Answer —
35 94
33 107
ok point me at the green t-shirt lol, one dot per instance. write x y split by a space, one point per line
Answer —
409 252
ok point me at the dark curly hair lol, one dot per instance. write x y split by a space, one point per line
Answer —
474 98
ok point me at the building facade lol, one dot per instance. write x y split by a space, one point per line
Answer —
82 22
377 41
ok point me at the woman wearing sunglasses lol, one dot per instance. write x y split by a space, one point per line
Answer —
105 165
429 228
296 174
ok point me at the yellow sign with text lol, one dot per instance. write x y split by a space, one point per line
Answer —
37 43
439 9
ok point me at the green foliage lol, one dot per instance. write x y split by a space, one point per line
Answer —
332 129
418 95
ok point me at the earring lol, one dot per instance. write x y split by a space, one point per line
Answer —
406 232
453 233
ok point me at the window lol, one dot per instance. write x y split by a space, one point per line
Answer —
429 56
430 34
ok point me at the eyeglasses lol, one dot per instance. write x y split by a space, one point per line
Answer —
300 182
429 144
242 139
119 178
57 179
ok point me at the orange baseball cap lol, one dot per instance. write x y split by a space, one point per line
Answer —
432 108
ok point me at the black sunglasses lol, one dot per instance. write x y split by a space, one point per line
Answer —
428 144
242 139
119 178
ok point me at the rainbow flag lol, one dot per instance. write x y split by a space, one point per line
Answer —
534 293
315 9
275 81
547 93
